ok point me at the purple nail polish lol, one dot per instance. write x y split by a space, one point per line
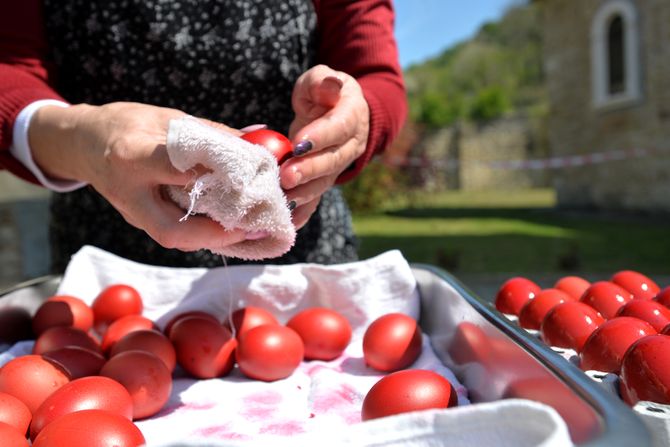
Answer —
303 147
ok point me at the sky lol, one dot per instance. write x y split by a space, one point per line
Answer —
426 27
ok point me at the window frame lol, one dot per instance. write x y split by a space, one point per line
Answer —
632 92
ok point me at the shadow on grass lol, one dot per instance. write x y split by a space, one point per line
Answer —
535 214
590 243
444 213
514 253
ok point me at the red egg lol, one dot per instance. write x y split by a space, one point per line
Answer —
606 297
572 285
650 311
31 379
663 297
122 327
10 436
534 311
90 428
191 313
324 332
469 344
248 318
514 293
579 416
273 141
87 393
391 342
408 390
14 412
79 362
204 348
146 378
114 302
605 348
645 371
269 352
149 340
63 310
569 324
60 336
641 286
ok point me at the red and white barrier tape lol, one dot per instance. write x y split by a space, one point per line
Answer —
532 164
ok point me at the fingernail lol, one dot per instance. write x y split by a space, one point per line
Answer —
253 127
255 235
291 205
303 147
334 81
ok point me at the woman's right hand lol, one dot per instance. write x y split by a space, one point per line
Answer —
119 149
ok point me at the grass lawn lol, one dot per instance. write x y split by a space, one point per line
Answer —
517 232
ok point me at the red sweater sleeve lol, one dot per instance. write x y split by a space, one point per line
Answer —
24 74
356 36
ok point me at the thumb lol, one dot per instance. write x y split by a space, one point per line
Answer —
316 91
327 92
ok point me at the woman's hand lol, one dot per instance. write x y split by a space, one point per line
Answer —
330 130
119 149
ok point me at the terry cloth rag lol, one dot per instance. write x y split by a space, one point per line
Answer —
242 190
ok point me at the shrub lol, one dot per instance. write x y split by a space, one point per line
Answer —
372 189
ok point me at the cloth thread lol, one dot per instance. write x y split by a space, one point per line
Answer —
242 191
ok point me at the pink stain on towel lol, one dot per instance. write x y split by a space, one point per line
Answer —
283 428
220 432
344 401
260 406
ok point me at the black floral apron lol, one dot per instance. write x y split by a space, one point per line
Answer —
232 61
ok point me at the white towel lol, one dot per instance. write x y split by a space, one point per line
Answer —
320 403
242 190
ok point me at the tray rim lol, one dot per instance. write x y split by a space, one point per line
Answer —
621 426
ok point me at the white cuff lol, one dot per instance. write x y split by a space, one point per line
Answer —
20 148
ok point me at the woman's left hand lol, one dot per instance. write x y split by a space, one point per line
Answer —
329 132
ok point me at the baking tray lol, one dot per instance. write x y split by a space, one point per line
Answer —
491 356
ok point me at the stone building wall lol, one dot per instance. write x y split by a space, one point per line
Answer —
577 127
481 147
464 156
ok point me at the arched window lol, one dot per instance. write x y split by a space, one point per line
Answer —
615 61
616 53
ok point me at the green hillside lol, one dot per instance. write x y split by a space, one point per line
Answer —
497 72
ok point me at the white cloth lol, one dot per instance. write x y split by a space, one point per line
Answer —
321 401
241 192
507 423
20 147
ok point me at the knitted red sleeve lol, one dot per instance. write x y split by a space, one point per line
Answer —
357 37
24 73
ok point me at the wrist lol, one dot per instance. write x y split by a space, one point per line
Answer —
53 137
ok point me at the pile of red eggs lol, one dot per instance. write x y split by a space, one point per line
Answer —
619 326
95 369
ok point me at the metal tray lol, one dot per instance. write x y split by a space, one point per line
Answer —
493 358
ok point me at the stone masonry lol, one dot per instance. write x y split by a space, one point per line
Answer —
578 127
462 156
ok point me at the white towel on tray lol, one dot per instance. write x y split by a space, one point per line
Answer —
321 401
